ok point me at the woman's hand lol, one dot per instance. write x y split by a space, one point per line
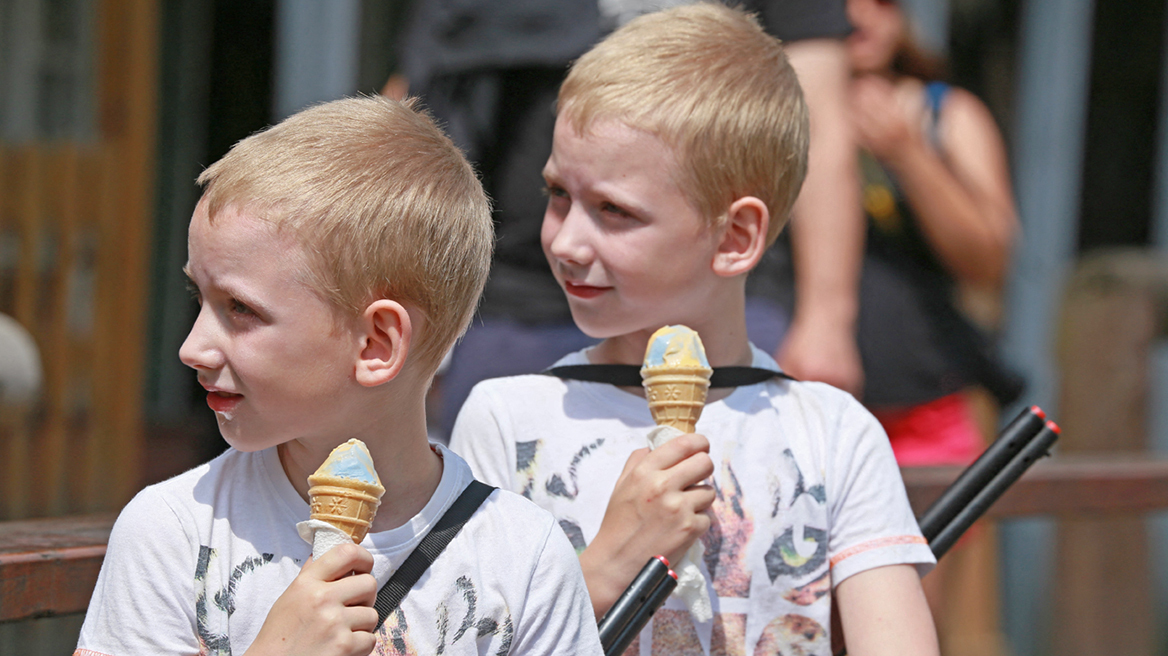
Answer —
958 188
888 120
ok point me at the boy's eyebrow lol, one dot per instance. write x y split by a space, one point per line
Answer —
605 191
614 195
237 294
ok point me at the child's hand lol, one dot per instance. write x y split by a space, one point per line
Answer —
327 611
657 507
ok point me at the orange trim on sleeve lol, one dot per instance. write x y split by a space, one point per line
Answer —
87 652
877 544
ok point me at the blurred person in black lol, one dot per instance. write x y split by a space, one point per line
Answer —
489 70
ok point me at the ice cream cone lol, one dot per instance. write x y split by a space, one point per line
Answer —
676 377
346 491
345 503
676 395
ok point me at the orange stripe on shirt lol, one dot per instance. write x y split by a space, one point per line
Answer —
877 544
86 652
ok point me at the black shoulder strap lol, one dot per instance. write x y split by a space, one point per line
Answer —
449 524
629 375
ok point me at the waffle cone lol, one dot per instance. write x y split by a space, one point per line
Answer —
345 503
676 395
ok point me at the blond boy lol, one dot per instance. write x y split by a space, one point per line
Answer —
680 145
335 256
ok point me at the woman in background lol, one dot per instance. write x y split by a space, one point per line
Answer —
941 224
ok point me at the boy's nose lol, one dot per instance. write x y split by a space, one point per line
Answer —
569 240
198 350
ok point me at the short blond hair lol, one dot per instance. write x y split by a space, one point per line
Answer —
384 203
709 82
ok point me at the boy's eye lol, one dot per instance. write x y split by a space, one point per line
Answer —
614 209
552 191
237 307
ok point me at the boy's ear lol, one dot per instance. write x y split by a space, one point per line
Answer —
385 342
743 237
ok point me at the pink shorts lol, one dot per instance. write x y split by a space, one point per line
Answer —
940 432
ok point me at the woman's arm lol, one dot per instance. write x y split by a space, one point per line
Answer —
962 196
827 228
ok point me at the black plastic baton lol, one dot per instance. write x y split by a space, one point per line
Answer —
651 576
957 496
641 614
989 493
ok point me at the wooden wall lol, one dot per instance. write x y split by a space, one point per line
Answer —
75 219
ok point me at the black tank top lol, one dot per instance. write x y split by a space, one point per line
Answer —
914 344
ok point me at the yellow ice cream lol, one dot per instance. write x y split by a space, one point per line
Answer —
675 346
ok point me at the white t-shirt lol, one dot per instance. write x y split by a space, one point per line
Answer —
808 494
195 563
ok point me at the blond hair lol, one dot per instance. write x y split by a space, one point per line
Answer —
709 82
384 203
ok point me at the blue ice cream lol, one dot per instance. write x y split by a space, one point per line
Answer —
350 460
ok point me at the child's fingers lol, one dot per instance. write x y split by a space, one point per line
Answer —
361 618
679 448
340 561
362 643
635 459
695 525
356 590
691 471
701 497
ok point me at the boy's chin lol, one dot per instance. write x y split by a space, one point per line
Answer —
237 438
601 329
596 327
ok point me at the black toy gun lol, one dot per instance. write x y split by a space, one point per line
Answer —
636 605
1026 439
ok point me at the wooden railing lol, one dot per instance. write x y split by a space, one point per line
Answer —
49 566
1066 485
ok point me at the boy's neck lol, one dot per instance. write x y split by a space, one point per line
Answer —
720 322
409 470
630 349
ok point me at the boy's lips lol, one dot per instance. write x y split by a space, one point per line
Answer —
223 401
580 290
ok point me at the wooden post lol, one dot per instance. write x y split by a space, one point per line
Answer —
1113 309
55 334
127 66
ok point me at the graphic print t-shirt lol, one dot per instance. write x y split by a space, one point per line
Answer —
808 494
195 563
